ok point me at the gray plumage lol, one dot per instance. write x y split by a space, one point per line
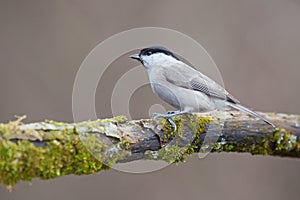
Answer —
184 87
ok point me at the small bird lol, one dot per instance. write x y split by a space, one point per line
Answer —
184 87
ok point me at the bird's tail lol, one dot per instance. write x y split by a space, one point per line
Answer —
250 112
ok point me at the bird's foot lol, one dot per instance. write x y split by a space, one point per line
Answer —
169 116
175 112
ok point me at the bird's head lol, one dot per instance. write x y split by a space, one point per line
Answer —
155 56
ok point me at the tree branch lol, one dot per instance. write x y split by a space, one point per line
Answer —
50 149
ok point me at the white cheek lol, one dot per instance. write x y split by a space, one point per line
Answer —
149 61
158 59
146 61
154 59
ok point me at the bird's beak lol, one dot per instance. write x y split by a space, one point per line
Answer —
136 57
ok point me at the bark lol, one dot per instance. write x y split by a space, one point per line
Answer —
50 149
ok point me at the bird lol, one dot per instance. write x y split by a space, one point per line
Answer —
184 87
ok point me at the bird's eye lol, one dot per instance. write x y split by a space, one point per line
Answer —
149 53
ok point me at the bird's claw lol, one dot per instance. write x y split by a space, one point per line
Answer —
169 116
170 120
176 112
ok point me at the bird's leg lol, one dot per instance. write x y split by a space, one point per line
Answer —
169 116
174 112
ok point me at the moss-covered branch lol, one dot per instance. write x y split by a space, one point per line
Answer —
50 149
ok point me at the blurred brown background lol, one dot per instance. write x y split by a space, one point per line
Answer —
255 44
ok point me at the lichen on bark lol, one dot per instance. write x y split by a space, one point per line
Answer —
51 149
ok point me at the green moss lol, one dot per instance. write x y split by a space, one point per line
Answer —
284 141
117 119
217 146
120 119
280 142
229 147
61 153
125 144
200 123
172 152
195 122
56 123
11 129
250 145
56 158
108 153
191 149
262 147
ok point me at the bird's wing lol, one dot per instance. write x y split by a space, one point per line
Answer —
190 78
211 88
